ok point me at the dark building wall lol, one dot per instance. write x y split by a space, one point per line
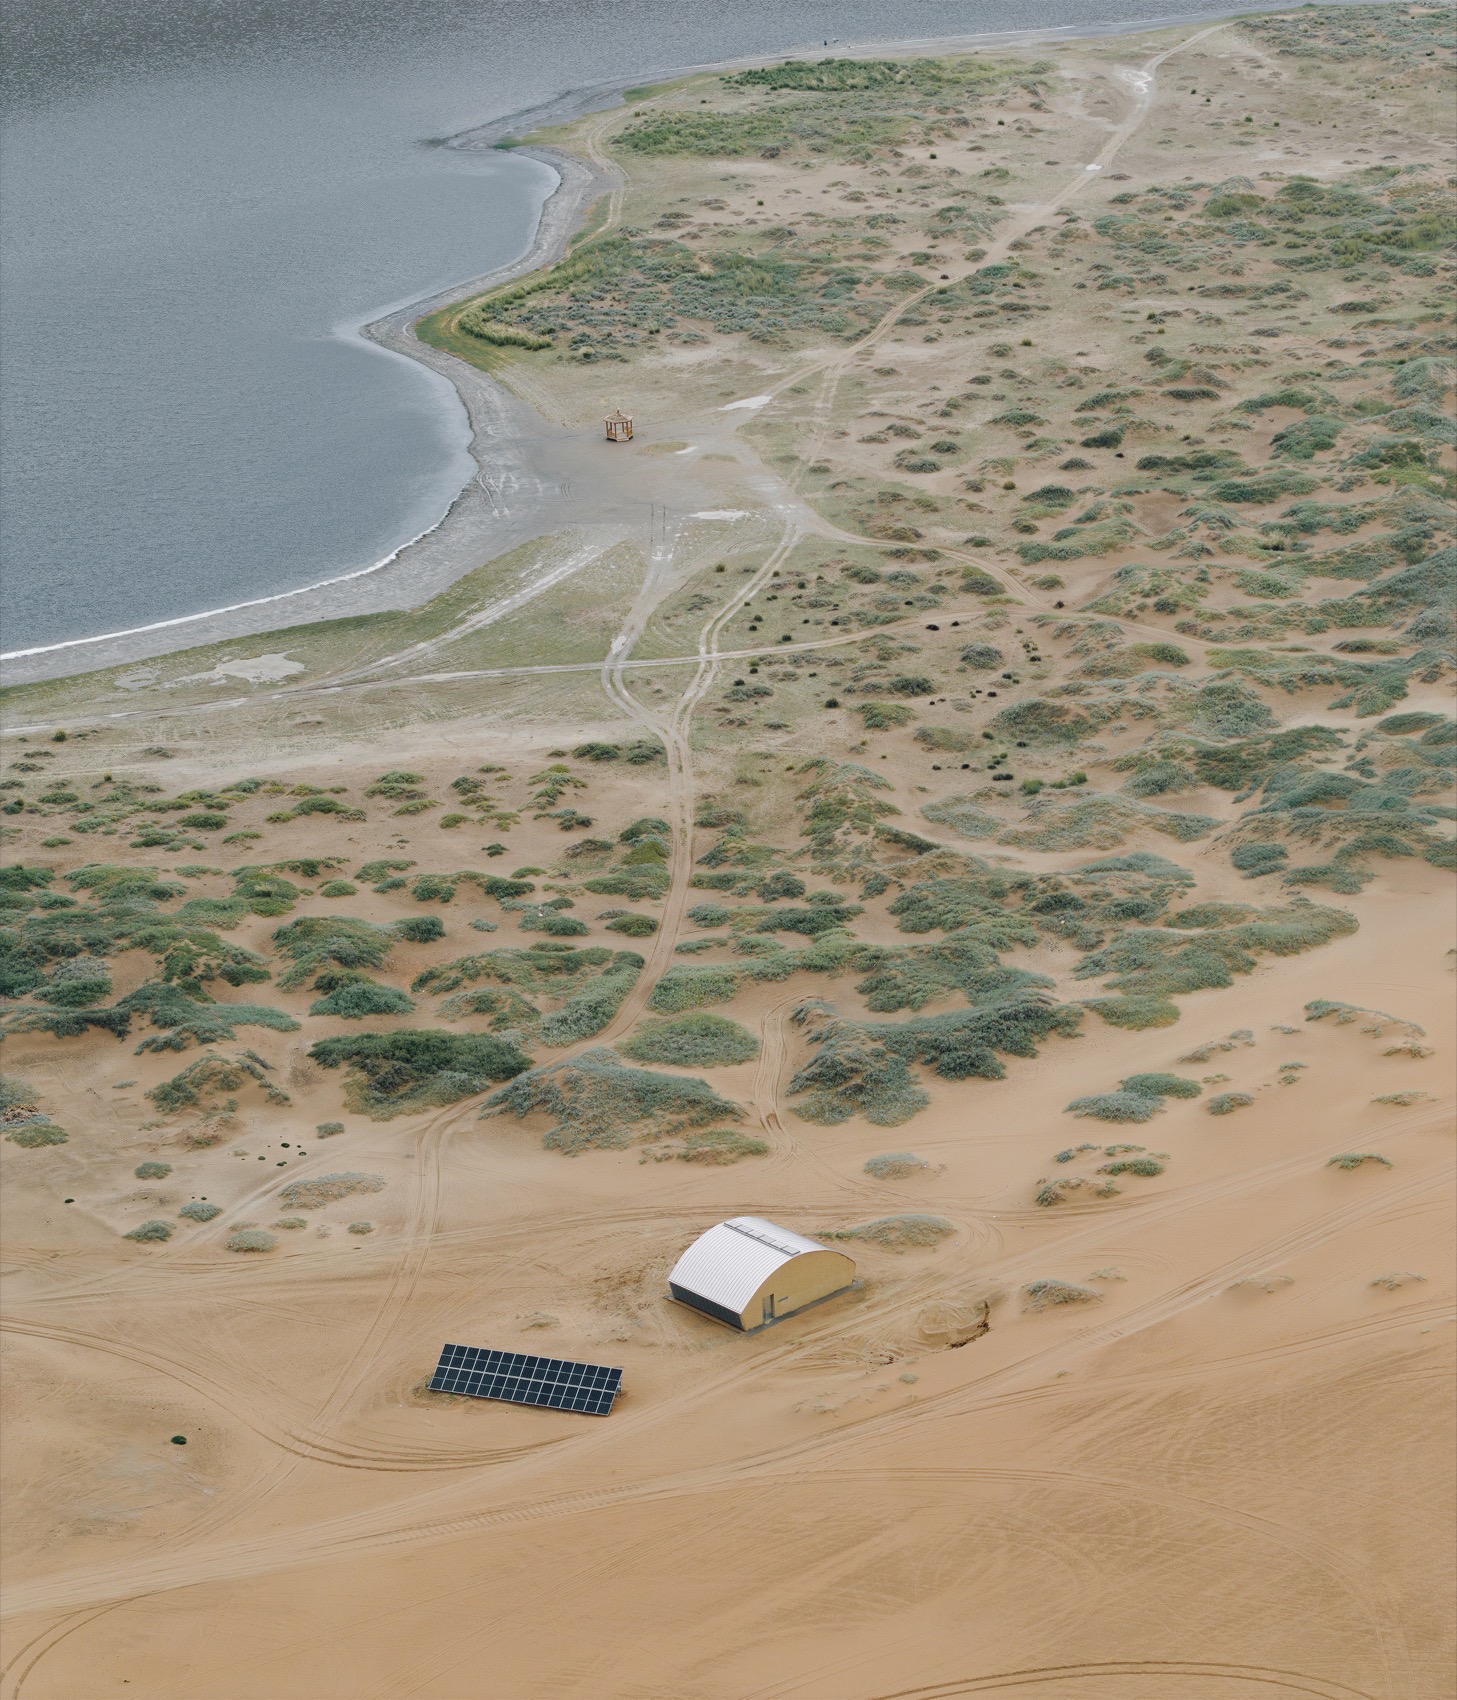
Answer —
707 1306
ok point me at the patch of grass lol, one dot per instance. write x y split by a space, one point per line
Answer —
1154 962
1226 1103
598 1102
1117 1106
650 879
198 1211
983 657
1135 1013
151 1233
965 818
188 1017
686 987
355 996
152 1171
36 1134
895 1166
1046 1294
589 1009
251 1239
1161 1085
1139 1097
633 926
1038 722
716 1145
897 1233
317 942
319 1190
1145 1166
692 1041
210 1077
1355 1159
394 1074
883 716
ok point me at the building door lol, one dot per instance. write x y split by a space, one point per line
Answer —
768 1307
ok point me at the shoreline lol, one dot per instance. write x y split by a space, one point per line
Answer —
474 520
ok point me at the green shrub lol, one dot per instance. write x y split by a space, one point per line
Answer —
1161 1085
338 888
633 926
1398 725
150 1233
881 716
251 1239
1039 722
416 1069
692 1041
1253 860
1226 1103
327 1130
358 997
717 1145
897 1233
319 1190
1155 962
420 929
36 1134
965 818
946 739
290 1224
360 1228
1042 1295
1135 1013
649 880
596 1101
194 1019
197 1211
316 941
1117 1106
1354 1160
1163 654
984 657
152 1171
211 1077
590 1009
895 1166
684 987
77 983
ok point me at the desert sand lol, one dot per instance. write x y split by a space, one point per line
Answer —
972 777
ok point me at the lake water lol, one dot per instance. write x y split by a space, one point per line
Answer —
201 200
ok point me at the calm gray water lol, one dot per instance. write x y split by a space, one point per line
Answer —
201 199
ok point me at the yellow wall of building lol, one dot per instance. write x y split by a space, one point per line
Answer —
810 1276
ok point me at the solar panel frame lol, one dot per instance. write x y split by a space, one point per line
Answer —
519 1378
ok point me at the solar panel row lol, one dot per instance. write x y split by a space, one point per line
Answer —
481 1373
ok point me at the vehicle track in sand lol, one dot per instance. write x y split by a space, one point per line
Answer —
411 1523
1137 1670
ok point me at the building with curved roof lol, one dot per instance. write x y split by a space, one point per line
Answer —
747 1272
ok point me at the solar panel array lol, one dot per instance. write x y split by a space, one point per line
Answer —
482 1373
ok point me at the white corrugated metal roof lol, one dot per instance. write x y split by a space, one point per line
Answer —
732 1261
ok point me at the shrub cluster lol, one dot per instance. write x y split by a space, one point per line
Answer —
393 1074
597 1101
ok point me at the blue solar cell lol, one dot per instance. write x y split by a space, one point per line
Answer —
484 1373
